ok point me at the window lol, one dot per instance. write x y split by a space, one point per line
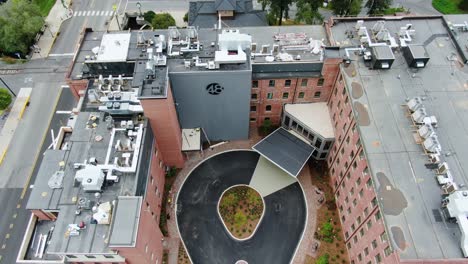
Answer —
253 108
348 210
343 218
358 182
268 108
108 256
351 154
304 82
352 191
369 183
317 94
359 257
387 251
323 155
354 165
318 143
253 119
71 256
361 232
301 95
383 237
287 83
346 100
255 84
374 244
320 82
344 91
366 211
355 239
354 128
266 119
271 83
348 245
369 224
366 251
353 227
374 202
361 155
347 140
285 95
361 193
269 95
341 208
327 145
346 199
90 256
354 202
348 176
378 258
346 234
378 216
365 171
359 220
341 114
253 96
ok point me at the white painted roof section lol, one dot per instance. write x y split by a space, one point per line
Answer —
458 208
315 116
114 47
191 139
269 178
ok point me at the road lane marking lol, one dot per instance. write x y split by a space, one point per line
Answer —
3 246
11 226
18 206
7 236
62 55
15 215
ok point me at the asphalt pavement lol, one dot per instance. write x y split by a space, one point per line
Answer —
14 217
202 231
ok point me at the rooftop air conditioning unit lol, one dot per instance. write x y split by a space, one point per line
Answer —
426 131
414 104
443 168
211 65
419 115
432 144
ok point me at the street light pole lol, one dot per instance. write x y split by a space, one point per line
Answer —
7 87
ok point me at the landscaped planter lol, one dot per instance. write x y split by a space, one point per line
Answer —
241 209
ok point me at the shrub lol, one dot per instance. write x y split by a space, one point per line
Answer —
240 219
148 16
5 98
327 232
323 259
163 21
186 17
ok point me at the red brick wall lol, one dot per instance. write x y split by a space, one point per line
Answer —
329 73
41 215
76 86
353 186
163 119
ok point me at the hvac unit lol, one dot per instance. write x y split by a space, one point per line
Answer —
432 144
426 131
419 115
416 56
253 47
414 104
382 57
211 65
434 158
442 169
359 24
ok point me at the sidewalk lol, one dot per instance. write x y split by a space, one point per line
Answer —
54 20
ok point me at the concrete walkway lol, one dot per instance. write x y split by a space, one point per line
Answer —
9 128
54 20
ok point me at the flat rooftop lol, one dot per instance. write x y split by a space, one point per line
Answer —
315 116
409 195
91 138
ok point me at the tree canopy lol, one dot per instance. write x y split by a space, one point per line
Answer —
20 21
5 98
308 11
278 10
346 7
377 6
162 21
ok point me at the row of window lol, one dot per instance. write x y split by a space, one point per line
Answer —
254 96
287 83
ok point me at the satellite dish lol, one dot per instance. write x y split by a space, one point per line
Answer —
95 50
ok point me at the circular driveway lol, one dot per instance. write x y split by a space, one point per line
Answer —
202 231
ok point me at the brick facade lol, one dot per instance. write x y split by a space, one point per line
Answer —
269 95
361 219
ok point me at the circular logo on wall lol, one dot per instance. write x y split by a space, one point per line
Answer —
214 88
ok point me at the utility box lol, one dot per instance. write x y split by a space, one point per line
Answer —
416 56
382 57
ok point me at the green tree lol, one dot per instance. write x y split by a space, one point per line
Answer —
463 5
307 11
149 16
240 219
323 259
163 21
230 199
346 7
377 6
278 9
186 17
327 232
5 98
20 21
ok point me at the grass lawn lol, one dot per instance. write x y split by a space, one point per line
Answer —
448 6
45 6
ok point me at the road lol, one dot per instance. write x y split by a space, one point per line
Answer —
29 142
87 13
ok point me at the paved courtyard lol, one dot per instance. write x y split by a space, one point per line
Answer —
304 248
